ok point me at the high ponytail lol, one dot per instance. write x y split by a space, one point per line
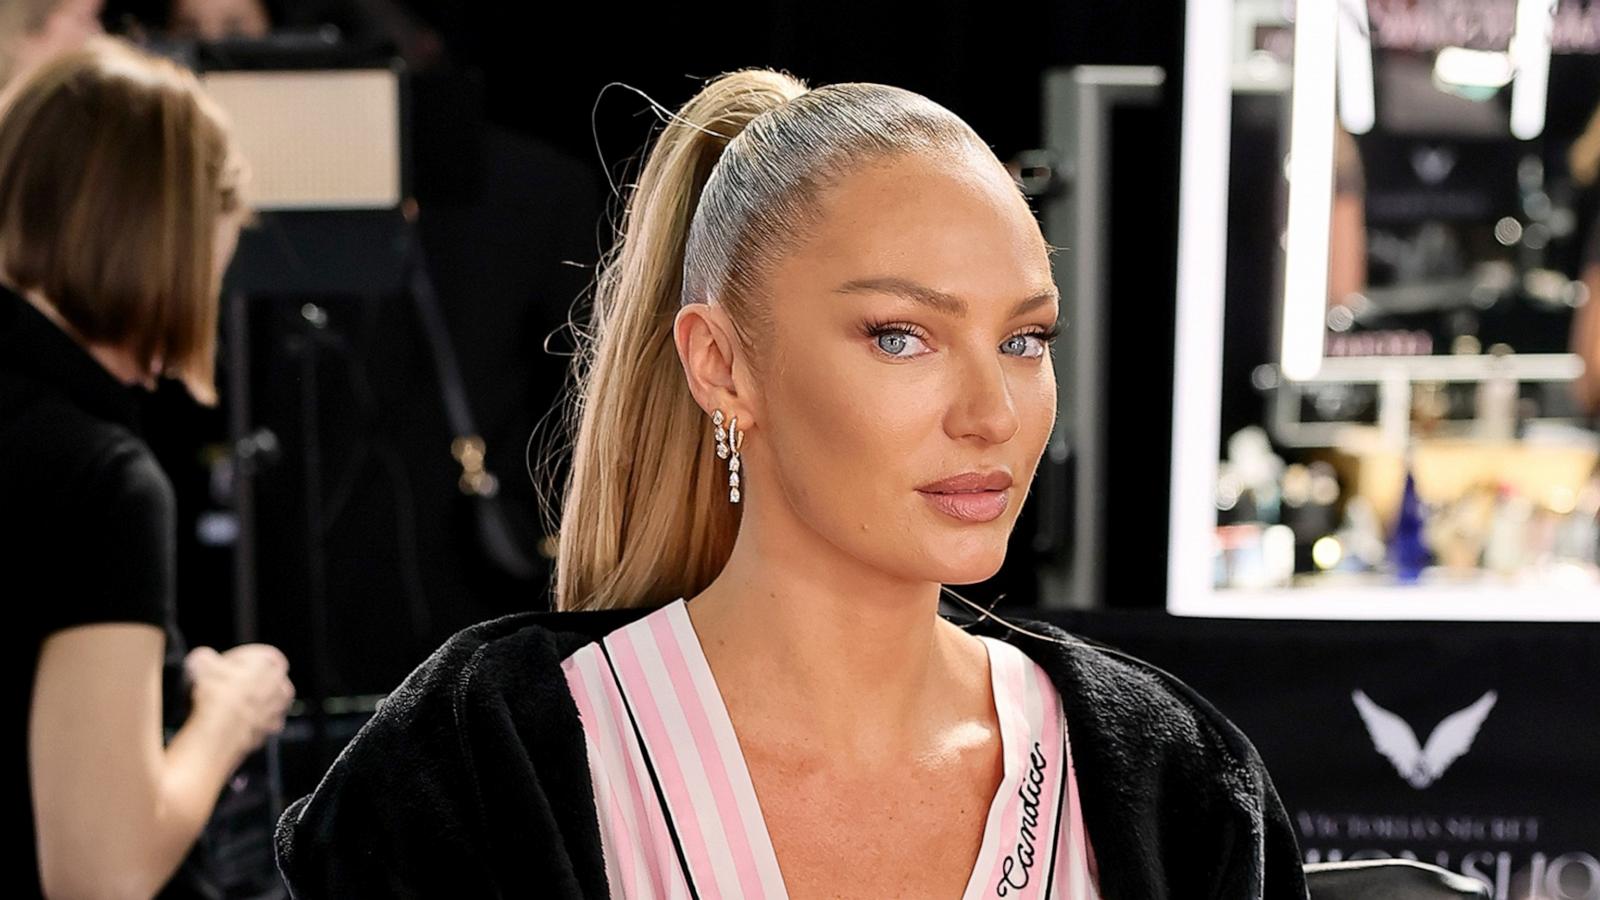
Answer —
639 521
730 182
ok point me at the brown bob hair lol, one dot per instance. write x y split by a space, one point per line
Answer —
115 170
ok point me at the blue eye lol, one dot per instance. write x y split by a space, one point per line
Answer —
1025 345
1032 344
893 340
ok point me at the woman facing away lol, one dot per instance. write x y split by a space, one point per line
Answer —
818 388
121 199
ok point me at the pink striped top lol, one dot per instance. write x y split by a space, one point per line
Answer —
678 811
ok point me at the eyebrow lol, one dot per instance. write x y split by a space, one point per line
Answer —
927 296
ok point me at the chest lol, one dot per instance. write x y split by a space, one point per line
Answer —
688 806
913 833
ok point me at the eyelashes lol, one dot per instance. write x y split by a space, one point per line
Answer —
875 329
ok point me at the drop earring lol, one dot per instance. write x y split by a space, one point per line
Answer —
728 443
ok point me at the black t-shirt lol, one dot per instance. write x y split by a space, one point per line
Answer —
86 526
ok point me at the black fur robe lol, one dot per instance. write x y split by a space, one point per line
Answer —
472 780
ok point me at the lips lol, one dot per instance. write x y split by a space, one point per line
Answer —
970 496
968 482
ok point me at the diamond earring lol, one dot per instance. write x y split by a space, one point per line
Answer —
728 444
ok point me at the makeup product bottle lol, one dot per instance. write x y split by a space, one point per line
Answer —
1408 553
1505 551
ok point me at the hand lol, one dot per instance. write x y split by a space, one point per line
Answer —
244 692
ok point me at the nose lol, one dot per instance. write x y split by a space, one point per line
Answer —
981 404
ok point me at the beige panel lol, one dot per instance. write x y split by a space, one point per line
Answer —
316 140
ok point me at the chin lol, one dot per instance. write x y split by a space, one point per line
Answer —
965 565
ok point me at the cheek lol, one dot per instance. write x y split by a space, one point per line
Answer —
847 440
853 435
1036 404
847 436
828 420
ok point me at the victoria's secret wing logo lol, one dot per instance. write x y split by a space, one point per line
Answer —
1422 765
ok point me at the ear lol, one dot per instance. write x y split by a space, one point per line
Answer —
713 362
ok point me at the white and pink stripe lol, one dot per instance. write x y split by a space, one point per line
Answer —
678 811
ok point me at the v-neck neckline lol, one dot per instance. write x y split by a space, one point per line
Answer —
1013 727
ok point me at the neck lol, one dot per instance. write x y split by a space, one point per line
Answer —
120 362
851 662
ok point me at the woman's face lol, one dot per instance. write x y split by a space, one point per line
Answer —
215 20
69 25
907 349
225 240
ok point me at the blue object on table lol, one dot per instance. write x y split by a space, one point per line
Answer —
1407 552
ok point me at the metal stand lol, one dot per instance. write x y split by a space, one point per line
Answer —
1078 106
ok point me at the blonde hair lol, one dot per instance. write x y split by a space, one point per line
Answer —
1583 157
733 180
114 171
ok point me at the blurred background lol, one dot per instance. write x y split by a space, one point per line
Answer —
510 146
1339 254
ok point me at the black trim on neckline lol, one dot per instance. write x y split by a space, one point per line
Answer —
655 781
1061 802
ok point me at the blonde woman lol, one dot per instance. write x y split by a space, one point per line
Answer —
818 389
119 208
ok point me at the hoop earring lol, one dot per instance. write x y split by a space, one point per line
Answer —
728 444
